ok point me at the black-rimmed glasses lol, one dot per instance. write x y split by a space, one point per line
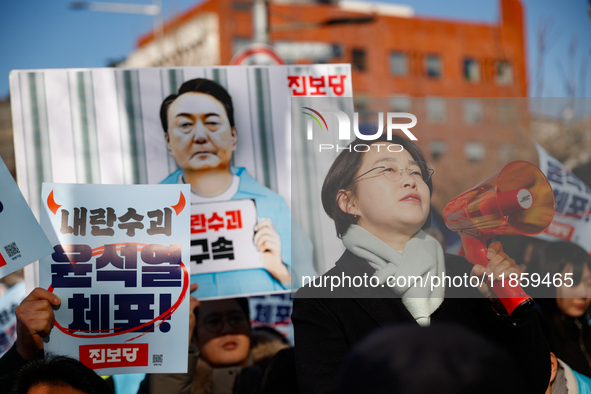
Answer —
215 323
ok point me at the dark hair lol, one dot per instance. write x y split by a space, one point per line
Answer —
343 171
522 248
552 259
199 85
61 371
441 358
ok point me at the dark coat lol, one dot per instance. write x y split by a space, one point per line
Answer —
326 329
10 363
570 338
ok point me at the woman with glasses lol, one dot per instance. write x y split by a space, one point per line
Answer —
219 348
379 198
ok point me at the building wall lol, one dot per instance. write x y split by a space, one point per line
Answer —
416 38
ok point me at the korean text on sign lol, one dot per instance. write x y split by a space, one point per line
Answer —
120 266
222 236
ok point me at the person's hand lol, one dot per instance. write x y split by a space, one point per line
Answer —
501 266
267 242
194 303
34 321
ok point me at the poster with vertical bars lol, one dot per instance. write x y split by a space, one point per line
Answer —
104 126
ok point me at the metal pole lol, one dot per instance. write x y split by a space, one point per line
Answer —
260 19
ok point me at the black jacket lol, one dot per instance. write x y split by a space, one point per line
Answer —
326 329
10 363
570 339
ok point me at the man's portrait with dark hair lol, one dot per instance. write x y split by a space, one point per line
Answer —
202 136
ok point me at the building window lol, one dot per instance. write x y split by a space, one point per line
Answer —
506 113
474 151
400 103
435 109
437 148
506 153
504 73
358 61
398 63
471 70
242 5
433 66
473 111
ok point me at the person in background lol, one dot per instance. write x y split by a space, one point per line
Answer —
221 358
408 359
55 374
565 380
27 369
34 322
564 308
522 248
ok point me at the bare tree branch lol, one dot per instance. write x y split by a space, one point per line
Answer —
546 37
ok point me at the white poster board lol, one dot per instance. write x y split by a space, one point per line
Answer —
221 236
120 268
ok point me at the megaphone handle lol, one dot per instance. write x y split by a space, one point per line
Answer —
511 297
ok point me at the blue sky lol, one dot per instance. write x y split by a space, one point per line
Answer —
47 34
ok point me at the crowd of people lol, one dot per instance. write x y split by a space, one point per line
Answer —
226 355
375 339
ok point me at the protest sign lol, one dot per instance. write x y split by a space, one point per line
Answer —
120 268
8 303
274 311
21 239
105 126
221 236
573 203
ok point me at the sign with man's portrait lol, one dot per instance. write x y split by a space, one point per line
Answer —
225 131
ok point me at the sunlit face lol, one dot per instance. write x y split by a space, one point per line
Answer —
199 133
382 205
229 346
575 300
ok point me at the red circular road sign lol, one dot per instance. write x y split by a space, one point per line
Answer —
257 54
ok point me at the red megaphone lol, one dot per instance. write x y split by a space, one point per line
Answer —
516 200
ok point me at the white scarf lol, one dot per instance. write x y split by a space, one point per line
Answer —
422 256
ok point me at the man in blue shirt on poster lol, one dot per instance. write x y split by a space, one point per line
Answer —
200 132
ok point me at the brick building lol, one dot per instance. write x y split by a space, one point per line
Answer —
465 81
394 53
